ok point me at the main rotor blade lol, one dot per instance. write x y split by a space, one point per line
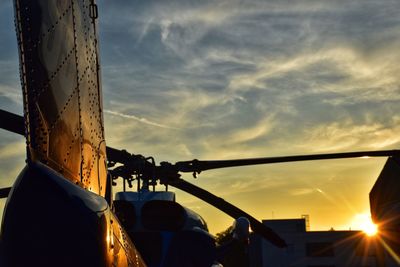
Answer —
229 209
12 122
4 192
199 165
15 123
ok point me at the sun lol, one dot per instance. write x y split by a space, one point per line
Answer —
369 228
364 222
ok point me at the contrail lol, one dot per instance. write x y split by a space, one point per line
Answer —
142 120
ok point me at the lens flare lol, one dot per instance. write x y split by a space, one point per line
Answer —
369 228
364 222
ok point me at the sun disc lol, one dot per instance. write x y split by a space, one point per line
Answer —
369 228
363 222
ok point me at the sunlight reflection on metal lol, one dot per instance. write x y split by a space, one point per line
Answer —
110 239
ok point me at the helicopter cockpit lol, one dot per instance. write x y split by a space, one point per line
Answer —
165 232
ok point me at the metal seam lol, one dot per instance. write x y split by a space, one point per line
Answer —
46 84
51 28
77 80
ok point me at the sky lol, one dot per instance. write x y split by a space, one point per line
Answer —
238 79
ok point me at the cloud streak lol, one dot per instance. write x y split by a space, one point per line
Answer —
141 120
232 79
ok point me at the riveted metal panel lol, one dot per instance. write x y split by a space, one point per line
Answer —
62 94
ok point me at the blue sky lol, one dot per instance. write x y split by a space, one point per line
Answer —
233 79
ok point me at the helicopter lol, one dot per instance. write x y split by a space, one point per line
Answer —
61 207
66 172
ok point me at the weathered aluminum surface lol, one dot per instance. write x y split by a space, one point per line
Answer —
62 93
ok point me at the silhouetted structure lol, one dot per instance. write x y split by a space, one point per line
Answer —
316 248
385 207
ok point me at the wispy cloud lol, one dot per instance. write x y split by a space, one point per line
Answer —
11 94
12 150
231 79
347 135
